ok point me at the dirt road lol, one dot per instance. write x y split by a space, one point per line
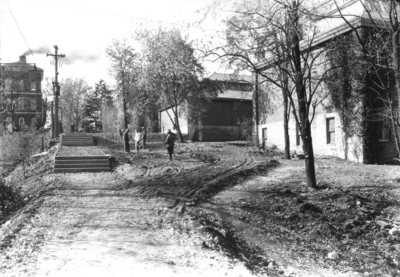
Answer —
127 223
217 210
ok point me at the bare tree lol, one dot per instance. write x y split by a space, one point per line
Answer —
275 39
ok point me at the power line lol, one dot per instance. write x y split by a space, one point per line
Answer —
21 32
133 17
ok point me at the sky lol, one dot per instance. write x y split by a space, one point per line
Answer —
82 30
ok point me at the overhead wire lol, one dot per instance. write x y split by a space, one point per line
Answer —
20 31
133 17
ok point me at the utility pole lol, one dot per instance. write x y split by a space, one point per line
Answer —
56 88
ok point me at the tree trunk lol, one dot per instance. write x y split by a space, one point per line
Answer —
256 140
395 55
286 124
309 155
301 97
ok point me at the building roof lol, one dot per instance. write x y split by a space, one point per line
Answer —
19 66
236 94
333 25
231 78
233 93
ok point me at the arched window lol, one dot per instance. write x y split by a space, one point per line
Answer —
33 104
33 86
21 121
8 83
8 119
21 85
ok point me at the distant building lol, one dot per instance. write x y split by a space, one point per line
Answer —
20 94
225 116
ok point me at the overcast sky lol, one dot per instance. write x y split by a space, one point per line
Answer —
82 30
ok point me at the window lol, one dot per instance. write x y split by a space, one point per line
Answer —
33 86
33 104
20 104
8 119
21 121
8 84
330 130
298 135
21 85
384 130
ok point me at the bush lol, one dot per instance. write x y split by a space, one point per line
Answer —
19 146
10 195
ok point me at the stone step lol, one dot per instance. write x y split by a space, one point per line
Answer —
82 162
78 139
77 142
82 169
58 158
79 165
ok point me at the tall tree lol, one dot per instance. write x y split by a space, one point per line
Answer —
94 102
173 70
275 39
125 68
72 100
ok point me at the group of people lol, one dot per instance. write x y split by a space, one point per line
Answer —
140 140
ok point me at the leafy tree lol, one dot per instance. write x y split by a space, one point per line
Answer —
72 100
173 71
94 102
125 68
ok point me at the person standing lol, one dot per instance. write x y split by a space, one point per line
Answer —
126 140
170 143
144 137
121 135
137 140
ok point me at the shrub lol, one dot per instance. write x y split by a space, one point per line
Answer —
10 195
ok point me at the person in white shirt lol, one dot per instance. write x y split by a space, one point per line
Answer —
137 139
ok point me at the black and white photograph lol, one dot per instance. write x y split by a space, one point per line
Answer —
187 138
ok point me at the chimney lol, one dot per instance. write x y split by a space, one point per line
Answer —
22 59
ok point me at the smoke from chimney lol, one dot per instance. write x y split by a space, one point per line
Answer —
40 50
77 56
70 58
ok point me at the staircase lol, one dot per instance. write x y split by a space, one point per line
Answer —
73 164
76 139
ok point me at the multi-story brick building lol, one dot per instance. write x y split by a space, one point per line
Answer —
21 94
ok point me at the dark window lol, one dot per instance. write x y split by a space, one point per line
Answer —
384 130
330 130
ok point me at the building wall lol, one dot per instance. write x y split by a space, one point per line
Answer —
275 136
23 89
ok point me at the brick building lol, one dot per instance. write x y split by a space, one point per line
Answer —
224 116
376 145
21 94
